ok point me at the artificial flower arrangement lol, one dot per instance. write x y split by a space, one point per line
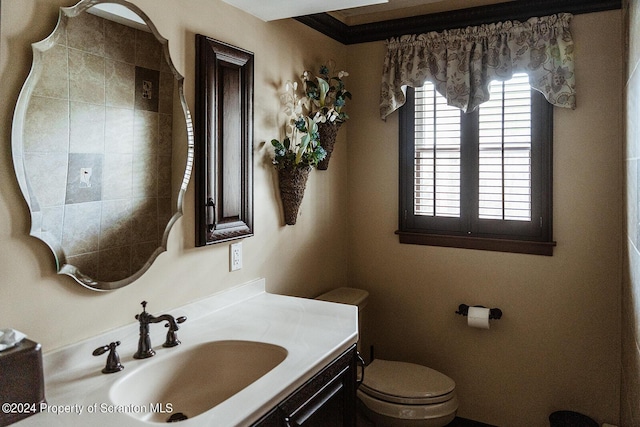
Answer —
309 117
296 155
327 95
311 124
305 152
325 99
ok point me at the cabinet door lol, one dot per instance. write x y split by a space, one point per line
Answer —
272 419
324 409
328 399
223 142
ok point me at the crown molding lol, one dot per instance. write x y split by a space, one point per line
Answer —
514 10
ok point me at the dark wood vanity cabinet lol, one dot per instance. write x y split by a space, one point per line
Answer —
326 400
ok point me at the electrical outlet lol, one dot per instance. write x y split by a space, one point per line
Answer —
235 256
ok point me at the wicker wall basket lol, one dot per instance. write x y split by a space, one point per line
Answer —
328 132
292 183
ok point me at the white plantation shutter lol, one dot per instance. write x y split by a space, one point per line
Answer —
437 155
505 151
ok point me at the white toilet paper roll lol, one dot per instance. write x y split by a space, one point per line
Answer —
478 317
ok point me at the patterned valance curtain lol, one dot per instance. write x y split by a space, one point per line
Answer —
462 62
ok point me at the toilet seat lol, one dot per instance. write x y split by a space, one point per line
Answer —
438 411
409 393
406 383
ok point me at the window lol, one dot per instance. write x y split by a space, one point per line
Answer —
478 180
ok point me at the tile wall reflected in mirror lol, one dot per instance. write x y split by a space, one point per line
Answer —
98 145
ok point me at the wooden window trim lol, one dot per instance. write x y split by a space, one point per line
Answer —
480 243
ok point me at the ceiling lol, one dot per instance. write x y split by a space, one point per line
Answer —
357 12
279 9
395 9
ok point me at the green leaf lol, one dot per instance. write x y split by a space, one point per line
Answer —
324 88
312 126
304 142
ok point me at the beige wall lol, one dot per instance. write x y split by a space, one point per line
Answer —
557 346
630 401
55 310
558 343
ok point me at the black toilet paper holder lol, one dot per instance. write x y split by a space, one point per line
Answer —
494 313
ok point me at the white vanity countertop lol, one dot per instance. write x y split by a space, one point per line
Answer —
313 332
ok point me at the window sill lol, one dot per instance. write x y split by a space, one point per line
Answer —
481 243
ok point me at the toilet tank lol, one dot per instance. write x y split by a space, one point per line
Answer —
351 296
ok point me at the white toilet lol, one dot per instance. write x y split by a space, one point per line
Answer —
400 394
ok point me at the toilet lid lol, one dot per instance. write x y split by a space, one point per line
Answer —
408 383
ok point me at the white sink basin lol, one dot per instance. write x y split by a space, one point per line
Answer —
192 381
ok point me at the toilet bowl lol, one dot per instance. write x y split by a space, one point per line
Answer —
399 394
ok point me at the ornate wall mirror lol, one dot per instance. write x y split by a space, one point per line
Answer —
224 137
102 143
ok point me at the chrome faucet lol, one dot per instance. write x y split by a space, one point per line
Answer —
144 343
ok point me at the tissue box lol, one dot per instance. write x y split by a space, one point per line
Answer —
21 382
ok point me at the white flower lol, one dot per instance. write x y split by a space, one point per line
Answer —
342 74
319 117
288 130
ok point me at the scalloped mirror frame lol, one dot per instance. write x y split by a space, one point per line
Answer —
40 230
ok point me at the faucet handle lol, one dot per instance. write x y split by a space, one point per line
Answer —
172 337
142 316
113 360
180 319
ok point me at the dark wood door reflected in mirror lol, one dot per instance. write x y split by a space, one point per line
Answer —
224 135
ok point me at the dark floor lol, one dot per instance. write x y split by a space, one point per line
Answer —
457 422
461 422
